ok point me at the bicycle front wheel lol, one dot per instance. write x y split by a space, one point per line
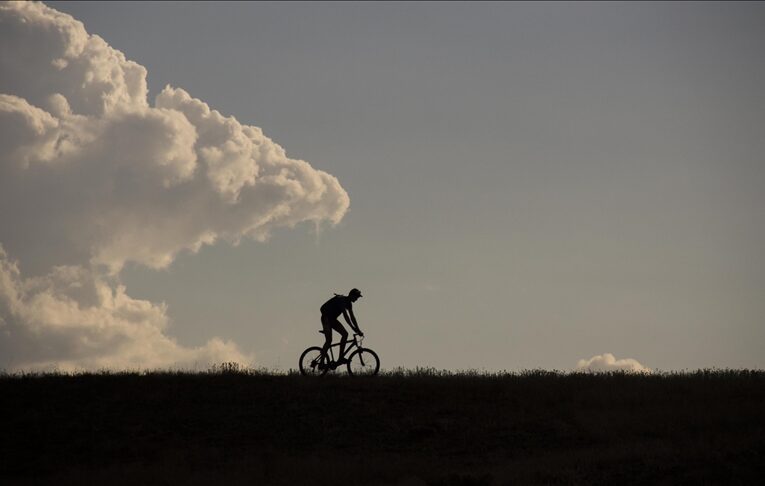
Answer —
313 362
363 362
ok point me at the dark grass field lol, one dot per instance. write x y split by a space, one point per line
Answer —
418 428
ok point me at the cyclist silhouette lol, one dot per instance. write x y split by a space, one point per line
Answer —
330 311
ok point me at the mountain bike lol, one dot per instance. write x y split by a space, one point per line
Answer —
361 361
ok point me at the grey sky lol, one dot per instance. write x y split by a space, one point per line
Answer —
530 184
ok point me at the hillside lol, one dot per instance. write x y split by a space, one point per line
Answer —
415 428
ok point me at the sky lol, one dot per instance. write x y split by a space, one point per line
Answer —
510 185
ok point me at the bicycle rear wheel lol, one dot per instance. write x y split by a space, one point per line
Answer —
313 362
363 362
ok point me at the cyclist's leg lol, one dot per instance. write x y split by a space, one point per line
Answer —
326 325
343 336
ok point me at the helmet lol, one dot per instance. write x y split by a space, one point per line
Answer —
354 293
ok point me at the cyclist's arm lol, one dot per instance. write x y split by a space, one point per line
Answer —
355 324
350 322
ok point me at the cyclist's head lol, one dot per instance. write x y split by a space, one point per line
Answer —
354 294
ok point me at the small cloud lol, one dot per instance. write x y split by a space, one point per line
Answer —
607 362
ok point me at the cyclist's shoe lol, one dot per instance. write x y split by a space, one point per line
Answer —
342 361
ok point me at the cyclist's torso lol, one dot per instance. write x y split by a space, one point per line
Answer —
335 306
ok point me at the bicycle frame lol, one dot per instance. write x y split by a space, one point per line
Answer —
349 346
319 364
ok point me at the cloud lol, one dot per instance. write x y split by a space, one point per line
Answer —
73 319
607 362
93 176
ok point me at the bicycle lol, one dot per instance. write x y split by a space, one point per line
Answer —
361 361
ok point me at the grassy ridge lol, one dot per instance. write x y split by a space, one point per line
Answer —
417 428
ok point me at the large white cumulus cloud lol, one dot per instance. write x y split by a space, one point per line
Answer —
93 175
71 319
